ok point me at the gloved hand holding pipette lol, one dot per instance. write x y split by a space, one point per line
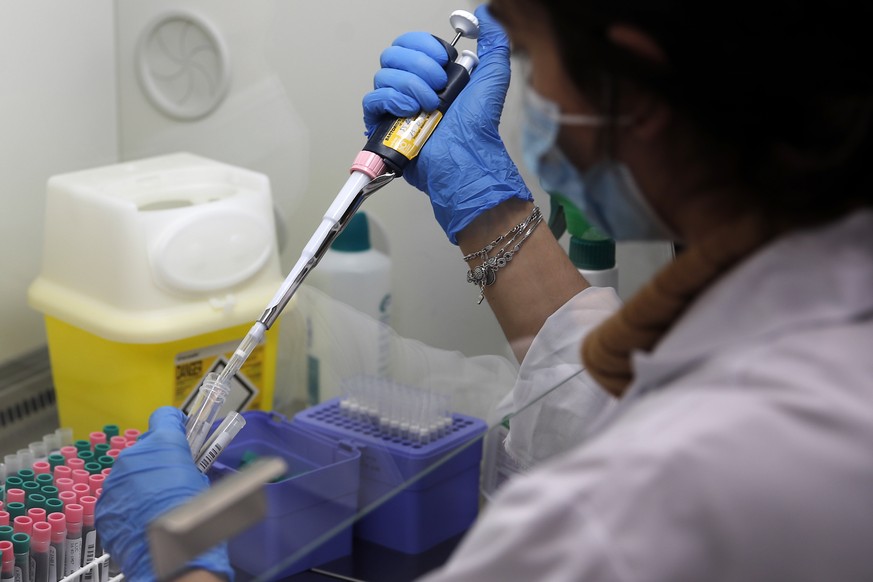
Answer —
464 167
147 480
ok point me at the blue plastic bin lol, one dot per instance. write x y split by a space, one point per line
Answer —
319 492
428 511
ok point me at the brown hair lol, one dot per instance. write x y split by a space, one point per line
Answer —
785 86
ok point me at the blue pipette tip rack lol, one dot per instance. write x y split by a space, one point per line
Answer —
440 498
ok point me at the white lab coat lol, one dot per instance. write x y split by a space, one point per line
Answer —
743 451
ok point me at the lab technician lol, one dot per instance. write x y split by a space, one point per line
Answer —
740 446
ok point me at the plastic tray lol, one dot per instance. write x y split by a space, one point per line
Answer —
319 493
428 510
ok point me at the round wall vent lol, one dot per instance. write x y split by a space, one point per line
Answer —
183 65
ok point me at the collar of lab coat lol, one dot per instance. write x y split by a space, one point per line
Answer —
807 278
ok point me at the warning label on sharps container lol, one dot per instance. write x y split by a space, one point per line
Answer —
193 365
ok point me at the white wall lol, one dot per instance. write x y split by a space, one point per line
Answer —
324 56
57 114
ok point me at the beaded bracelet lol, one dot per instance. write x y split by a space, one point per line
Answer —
486 274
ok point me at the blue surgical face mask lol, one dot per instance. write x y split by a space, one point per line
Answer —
606 193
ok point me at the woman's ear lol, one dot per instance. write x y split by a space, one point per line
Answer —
650 113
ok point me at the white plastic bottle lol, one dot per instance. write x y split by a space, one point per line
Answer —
594 257
355 273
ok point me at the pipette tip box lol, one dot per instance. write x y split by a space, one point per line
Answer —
305 507
432 487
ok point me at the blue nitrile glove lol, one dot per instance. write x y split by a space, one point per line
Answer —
147 480
464 166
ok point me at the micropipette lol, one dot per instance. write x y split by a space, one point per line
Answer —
392 145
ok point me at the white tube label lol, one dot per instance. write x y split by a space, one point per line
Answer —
74 555
90 551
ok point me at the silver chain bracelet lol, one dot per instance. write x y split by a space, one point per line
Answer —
485 274
512 231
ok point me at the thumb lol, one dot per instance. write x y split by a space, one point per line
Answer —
492 36
167 417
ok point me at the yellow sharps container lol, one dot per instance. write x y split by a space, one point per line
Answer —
153 271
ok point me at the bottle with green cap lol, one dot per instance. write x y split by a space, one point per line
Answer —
591 251
355 273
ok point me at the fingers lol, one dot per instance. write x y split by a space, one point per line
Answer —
408 84
424 43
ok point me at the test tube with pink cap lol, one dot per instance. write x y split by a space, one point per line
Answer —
40 544
58 522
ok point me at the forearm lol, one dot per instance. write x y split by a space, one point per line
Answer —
539 279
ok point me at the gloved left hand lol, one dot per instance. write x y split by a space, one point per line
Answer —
464 166
147 480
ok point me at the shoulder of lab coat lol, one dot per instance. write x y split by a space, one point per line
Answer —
742 452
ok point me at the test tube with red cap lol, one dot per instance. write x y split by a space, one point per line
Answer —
97 438
22 524
4 518
37 514
7 571
76 463
62 472
69 452
64 484
58 521
68 497
40 543
90 547
73 549
80 476
41 467
81 490
15 496
96 482
131 434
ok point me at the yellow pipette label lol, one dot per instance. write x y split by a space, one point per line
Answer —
408 135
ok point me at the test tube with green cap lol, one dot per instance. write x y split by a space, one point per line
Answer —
30 487
93 467
50 491
26 475
111 430
86 456
6 532
54 505
35 500
15 509
55 459
45 479
13 482
21 547
82 445
101 448
106 461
